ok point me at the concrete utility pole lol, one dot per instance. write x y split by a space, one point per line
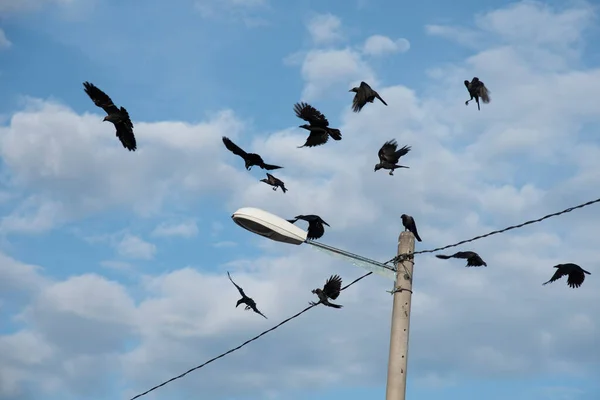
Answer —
396 379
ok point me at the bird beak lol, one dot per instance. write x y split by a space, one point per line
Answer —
350 90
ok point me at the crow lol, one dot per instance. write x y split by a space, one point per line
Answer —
250 304
477 90
271 180
119 117
315 225
389 156
473 259
251 159
318 125
409 225
576 274
364 94
330 290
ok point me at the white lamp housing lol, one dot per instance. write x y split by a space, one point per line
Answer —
268 225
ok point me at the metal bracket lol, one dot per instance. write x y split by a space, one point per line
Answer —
398 289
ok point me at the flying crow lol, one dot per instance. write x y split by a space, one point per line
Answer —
364 94
409 225
271 180
477 90
389 156
251 159
250 304
576 274
473 259
315 225
119 117
330 290
318 125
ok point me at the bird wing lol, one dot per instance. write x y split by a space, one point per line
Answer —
560 272
483 92
125 131
402 152
387 152
361 96
271 178
255 309
238 288
315 230
576 278
234 148
310 114
100 98
316 138
333 286
463 254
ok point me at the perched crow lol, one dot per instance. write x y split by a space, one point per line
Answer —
389 156
477 90
330 290
271 180
119 117
315 225
251 159
409 225
318 125
364 94
473 259
250 304
576 274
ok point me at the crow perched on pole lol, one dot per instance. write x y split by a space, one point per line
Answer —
409 225
477 90
473 259
364 94
275 182
118 116
389 155
331 290
575 274
251 159
318 125
315 225
250 304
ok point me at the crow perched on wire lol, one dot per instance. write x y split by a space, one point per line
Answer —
315 225
330 290
250 304
271 180
318 125
576 274
473 259
251 159
364 94
118 116
477 90
409 225
389 156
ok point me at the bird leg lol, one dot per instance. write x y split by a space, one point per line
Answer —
274 187
392 172
247 308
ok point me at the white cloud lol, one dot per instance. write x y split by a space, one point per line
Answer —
233 10
4 42
134 247
378 45
185 229
325 29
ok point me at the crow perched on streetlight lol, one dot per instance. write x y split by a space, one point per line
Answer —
364 94
250 304
575 274
330 290
389 156
409 225
473 259
315 225
275 182
318 125
477 90
118 116
251 159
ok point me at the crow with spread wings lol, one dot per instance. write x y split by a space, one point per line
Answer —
331 290
473 259
315 225
251 159
364 94
250 304
477 90
318 125
389 155
575 274
275 182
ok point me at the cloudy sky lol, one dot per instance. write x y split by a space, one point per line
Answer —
113 263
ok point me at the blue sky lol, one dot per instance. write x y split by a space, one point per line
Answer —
113 264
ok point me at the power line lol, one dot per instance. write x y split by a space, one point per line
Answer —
243 344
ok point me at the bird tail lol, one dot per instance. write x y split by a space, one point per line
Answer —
417 236
333 305
443 256
335 134
291 221
484 93
269 167
478 107
400 166
283 189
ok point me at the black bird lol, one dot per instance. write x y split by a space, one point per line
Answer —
409 225
473 259
118 116
576 274
315 225
250 304
318 125
364 94
389 156
330 290
271 180
251 159
477 90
